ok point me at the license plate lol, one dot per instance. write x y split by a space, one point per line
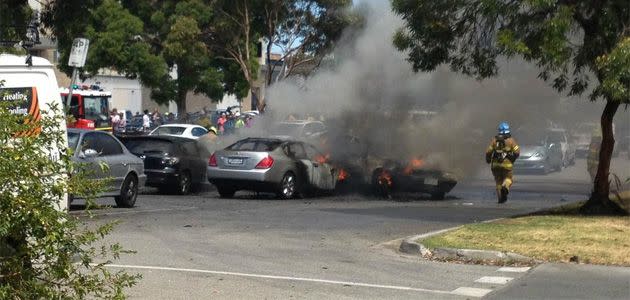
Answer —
431 181
235 161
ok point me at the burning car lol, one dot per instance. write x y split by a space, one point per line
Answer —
359 167
414 177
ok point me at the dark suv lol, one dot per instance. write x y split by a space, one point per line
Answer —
171 163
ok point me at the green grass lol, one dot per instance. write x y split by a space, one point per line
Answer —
596 240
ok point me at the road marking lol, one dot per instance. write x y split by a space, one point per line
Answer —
494 279
291 278
514 269
471 292
96 213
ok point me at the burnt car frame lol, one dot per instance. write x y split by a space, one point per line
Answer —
386 176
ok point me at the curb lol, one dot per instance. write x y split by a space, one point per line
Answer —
409 245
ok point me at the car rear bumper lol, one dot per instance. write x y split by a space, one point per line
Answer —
157 178
252 180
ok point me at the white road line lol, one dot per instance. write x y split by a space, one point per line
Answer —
290 278
471 292
494 279
96 213
514 269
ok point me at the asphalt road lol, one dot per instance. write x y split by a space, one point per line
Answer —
341 247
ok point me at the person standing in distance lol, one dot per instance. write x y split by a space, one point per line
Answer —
501 154
146 121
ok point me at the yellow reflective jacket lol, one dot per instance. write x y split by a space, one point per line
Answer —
502 153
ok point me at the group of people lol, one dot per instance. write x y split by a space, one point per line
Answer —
229 122
119 120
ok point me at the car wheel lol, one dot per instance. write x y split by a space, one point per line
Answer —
184 184
225 192
128 192
288 186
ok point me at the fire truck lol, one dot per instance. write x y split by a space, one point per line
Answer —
89 106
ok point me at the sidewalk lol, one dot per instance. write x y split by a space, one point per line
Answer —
569 281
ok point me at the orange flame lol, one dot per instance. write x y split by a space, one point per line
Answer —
414 164
385 178
322 159
343 175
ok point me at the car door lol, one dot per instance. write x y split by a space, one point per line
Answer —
297 152
323 171
113 155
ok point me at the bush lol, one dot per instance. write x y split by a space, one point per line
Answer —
45 253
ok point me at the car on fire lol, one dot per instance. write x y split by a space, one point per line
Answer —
359 167
287 167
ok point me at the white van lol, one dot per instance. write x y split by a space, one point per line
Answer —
36 83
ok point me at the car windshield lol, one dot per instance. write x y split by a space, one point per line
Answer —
255 145
140 146
529 138
96 108
73 139
169 130
287 129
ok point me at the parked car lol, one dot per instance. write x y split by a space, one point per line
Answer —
182 130
559 136
540 152
171 163
299 129
93 148
285 167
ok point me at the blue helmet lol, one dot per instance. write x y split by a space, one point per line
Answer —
504 128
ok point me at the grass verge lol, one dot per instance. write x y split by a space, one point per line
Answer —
557 237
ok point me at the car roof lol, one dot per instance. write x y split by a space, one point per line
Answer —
180 125
270 139
77 130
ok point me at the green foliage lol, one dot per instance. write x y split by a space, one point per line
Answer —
45 253
14 17
144 39
615 68
563 38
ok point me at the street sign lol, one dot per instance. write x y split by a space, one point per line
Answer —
79 51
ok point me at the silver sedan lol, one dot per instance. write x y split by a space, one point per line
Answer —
284 167
126 171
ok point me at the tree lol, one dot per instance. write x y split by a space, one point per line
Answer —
15 18
569 40
303 30
234 35
46 253
143 39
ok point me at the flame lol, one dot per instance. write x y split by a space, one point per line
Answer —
343 175
385 178
322 159
414 164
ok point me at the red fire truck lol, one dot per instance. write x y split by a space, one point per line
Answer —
89 106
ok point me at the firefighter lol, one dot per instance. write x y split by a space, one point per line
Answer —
592 160
501 154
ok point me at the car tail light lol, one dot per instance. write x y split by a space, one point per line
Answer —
265 163
212 161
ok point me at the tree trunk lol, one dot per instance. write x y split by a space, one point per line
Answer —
181 102
599 202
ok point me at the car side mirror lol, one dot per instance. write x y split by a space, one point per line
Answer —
88 153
